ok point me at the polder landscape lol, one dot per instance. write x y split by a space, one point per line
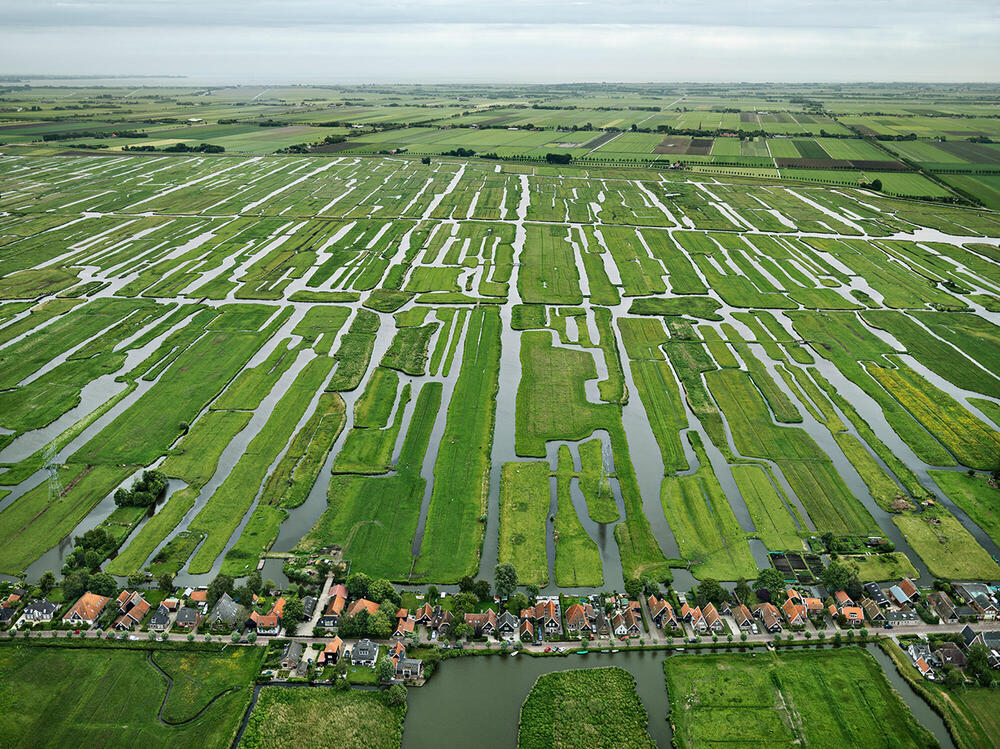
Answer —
667 389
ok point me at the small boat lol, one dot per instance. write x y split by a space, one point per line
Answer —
615 651
605 651
582 652
514 653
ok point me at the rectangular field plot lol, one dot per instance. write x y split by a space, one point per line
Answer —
594 372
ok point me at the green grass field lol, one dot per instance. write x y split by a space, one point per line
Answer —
524 511
594 707
59 696
820 698
334 719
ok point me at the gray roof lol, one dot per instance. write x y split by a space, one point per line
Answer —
364 650
292 651
6 614
309 605
226 611
160 617
187 615
42 606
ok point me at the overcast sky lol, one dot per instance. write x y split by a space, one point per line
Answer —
258 41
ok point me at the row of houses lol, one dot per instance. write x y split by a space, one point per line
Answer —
930 659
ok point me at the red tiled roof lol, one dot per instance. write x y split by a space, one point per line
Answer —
906 585
362 604
278 609
88 607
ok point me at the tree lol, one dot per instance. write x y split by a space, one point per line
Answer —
252 638
461 631
293 612
433 593
395 695
254 582
633 588
482 590
136 580
381 591
234 637
837 576
712 591
385 670
466 584
954 678
769 579
74 584
533 590
379 625
505 579
47 582
218 587
244 595
742 590
165 583
462 604
517 603
357 585
103 584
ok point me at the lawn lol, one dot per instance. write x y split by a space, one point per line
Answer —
883 567
817 698
324 719
99 696
594 707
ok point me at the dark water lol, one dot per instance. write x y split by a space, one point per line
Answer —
477 700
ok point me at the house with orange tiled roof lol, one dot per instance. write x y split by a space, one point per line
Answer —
697 619
132 608
404 627
264 624
546 616
909 588
362 604
814 606
743 617
770 616
580 617
199 599
712 619
334 610
661 612
483 624
331 653
841 598
86 610
424 614
795 613
527 631
854 615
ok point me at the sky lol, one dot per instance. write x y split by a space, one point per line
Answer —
505 41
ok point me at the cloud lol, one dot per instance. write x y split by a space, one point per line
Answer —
515 41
